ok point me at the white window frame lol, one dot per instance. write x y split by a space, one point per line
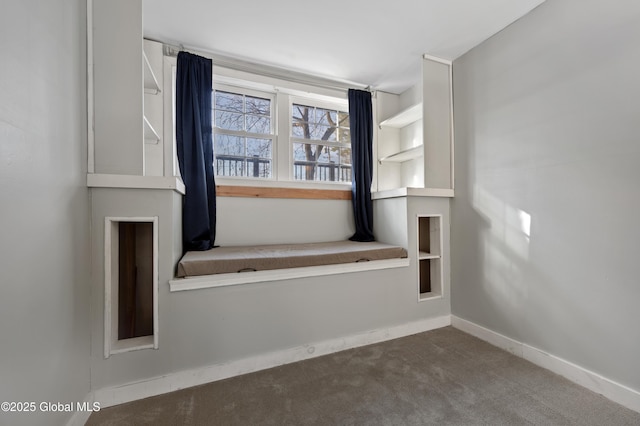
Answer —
308 101
273 135
284 95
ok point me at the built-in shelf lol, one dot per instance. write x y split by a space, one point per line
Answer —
412 192
404 117
423 255
404 155
426 126
150 81
150 134
95 180
430 277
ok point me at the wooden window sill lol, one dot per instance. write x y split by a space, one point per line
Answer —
271 192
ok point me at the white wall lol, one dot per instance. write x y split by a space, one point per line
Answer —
545 231
44 293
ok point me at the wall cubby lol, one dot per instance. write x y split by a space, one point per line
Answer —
131 284
429 256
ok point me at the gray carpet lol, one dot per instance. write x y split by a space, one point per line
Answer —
441 377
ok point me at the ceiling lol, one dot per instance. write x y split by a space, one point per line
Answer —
376 43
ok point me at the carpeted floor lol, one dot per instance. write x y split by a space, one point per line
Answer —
441 377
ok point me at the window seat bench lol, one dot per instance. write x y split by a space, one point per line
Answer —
231 265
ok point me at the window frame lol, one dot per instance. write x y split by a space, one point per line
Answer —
284 94
273 136
322 104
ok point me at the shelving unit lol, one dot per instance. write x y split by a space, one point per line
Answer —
415 132
151 87
130 193
429 256
153 108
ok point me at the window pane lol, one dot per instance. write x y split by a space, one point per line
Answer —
304 165
300 130
230 166
317 161
345 156
344 136
256 124
326 117
321 163
229 120
343 118
300 112
324 156
228 145
303 151
334 154
258 106
258 167
238 154
259 148
228 101
324 133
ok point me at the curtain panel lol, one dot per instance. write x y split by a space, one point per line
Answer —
195 150
361 126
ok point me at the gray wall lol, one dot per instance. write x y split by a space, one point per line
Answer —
44 207
206 327
545 231
274 220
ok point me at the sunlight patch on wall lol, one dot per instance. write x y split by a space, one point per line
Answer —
509 225
504 247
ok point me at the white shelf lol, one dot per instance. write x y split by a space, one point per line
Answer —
96 180
412 192
150 81
405 155
423 255
150 134
404 117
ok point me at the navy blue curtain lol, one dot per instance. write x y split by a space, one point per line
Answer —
361 124
195 151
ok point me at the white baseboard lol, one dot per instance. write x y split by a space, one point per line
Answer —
79 418
184 379
616 392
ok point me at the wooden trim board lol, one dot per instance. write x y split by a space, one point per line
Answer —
271 192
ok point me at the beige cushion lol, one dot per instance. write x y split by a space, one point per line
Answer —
222 260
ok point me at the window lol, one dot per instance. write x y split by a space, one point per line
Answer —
321 144
263 132
243 134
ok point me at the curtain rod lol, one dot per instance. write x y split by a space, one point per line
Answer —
267 70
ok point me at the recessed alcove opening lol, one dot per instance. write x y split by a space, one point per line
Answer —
429 256
131 301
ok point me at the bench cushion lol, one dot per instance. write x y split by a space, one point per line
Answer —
231 259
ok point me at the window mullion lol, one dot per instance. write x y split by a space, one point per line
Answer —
284 147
